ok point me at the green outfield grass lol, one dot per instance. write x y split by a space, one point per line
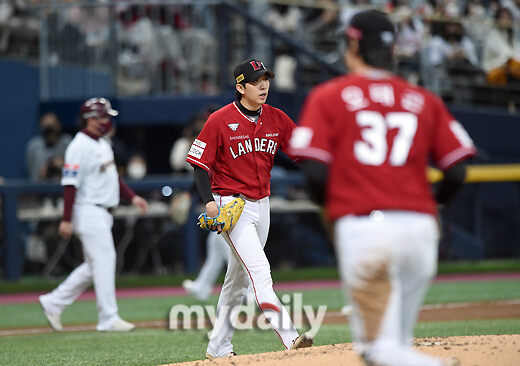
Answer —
158 346
139 309
37 283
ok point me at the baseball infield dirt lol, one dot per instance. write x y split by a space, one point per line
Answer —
491 350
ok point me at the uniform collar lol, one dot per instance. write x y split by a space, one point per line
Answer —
90 134
250 115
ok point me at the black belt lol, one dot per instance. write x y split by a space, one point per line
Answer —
243 197
109 209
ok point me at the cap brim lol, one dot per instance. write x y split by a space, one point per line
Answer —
112 112
258 74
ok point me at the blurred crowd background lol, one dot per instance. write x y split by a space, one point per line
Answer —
175 47
166 65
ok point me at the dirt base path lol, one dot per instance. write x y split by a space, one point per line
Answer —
493 350
504 309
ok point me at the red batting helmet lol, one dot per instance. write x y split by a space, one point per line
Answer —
98 108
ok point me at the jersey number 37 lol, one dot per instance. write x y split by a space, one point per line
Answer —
372 149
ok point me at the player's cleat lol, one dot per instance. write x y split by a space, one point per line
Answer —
346 310
121 326
229 354
189 286
303 341
53 319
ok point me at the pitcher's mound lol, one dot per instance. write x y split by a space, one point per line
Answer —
503 350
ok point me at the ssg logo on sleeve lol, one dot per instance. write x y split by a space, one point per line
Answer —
70 170
197 149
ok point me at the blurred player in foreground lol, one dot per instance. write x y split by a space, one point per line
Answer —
367 138
92 190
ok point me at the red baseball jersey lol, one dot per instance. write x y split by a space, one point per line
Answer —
238 152
378 133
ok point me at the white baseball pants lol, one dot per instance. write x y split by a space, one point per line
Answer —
93 225
387 261
248 264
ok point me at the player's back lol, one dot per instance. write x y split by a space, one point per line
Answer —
380 133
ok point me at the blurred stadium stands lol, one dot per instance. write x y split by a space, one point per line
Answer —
161 62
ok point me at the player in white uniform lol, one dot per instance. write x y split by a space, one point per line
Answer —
91 189
216 257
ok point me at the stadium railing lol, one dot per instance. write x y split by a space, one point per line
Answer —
12 214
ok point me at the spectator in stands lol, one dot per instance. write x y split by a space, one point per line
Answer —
120 151
44 159
452 47
19 29
409 40
44 154
321 25
348 12
450 9
476 23
287 20
182 145
284 18
181 201
451 54
501 57
136 168
92 21
514 7
166 50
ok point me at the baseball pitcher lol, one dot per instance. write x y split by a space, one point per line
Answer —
368 138
237 146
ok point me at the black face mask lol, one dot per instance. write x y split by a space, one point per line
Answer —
53 172
50 134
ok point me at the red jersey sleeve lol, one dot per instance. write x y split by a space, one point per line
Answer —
312 138
451 141
287 128
203 150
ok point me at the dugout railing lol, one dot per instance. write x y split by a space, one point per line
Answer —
12 190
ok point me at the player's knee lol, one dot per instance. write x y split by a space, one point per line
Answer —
110 256
371 269
261 276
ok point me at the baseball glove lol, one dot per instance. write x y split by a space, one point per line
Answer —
228 216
